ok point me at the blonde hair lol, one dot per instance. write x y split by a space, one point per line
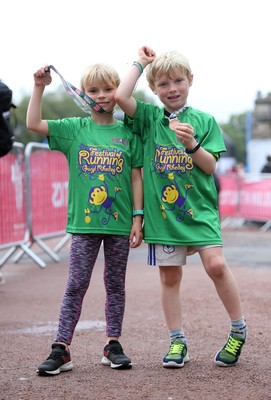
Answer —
103 73
167 64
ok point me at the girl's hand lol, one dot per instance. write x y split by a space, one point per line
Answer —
42 77
136 234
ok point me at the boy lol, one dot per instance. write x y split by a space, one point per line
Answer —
181 146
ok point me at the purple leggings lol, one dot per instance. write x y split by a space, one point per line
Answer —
83 254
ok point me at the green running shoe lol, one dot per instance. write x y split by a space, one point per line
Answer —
177 355
228 356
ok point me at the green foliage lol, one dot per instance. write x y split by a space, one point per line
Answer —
236 130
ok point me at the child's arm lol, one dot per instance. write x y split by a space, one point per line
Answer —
137 188
123 95
204 160
34 122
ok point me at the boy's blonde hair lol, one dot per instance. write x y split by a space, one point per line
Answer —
103 73
167 64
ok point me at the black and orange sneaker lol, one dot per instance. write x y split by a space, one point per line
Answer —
115 357
58 361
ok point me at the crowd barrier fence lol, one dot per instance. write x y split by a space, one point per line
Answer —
34 184
34 190
244 198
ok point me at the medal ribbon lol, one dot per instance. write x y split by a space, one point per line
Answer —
82 100
176 113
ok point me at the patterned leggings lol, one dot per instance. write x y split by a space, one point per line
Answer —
83 254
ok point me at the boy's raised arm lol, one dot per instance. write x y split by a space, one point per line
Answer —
123 95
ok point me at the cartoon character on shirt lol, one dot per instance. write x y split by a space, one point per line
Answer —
101 201
171 195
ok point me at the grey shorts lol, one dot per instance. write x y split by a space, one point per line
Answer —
163 255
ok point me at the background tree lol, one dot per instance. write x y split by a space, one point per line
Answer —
236 130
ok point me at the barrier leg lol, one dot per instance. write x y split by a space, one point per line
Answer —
62 243
47 249
265 226
27 246
33 256
227 221
8 255
21 252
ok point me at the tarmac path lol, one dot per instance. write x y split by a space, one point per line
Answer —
30 299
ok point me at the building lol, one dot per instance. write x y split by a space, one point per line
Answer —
259 134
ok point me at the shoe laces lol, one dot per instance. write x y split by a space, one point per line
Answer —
176 347
233 345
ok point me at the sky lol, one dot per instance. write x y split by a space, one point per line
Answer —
227 44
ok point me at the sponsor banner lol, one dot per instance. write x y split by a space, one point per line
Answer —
13 220
48 192
255 199
228 196
247 197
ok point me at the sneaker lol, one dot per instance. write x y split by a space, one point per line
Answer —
114 356
58 361
228 356
177 355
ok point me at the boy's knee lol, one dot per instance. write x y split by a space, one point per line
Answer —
170 277
216 267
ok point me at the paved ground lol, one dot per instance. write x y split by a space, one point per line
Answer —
30 299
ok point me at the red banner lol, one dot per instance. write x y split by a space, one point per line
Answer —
12 197
255 199
229 196
247 197
49 186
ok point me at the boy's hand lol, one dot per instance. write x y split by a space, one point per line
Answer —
146 55
42 77
185 134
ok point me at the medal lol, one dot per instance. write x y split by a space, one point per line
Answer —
47 79
173 123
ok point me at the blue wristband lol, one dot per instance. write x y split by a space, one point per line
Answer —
138 212
139 66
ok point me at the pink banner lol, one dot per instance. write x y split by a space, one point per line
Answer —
49 185
247 197
255 200
12 197
229 196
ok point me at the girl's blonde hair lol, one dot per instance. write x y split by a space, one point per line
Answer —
167 64
103 73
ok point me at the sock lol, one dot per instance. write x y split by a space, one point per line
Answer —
177 334
239 327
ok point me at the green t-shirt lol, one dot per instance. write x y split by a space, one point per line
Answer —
100 159
180 200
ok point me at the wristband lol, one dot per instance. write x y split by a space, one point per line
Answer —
138 212
139 66
193 150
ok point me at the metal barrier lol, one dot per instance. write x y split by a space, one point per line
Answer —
13 216
245 198
44 177
34 190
